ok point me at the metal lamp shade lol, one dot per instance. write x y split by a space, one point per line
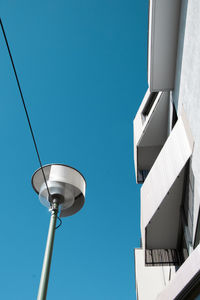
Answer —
62 181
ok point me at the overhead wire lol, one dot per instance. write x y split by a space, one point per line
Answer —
59 223
25 109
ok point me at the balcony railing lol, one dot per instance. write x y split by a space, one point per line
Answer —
160 257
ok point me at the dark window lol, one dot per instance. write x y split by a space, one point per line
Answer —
194 294
192 290
174 116
197 234
183 250
142 175
185 241
149 103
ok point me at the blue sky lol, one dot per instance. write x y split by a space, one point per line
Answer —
83 71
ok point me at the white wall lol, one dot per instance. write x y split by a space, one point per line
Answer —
187 85
186 95
150 281
182 277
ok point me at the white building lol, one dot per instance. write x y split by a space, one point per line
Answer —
167 155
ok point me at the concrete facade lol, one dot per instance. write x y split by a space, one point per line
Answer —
167 155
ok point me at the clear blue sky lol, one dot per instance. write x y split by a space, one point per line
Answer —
83 70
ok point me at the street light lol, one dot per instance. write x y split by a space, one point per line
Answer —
60 187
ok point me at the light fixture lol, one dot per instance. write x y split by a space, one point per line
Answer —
60 188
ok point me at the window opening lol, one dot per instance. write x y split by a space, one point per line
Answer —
149 103
185 245
142 175
174 116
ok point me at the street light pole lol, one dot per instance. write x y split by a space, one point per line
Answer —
58 186
42 292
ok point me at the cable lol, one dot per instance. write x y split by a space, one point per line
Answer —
25 109
60 222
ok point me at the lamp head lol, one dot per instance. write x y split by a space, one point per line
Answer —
65 183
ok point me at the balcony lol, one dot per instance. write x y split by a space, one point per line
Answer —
162 191
151 280
185 281
162 43
151 126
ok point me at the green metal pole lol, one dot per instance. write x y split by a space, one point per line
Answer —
42 292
